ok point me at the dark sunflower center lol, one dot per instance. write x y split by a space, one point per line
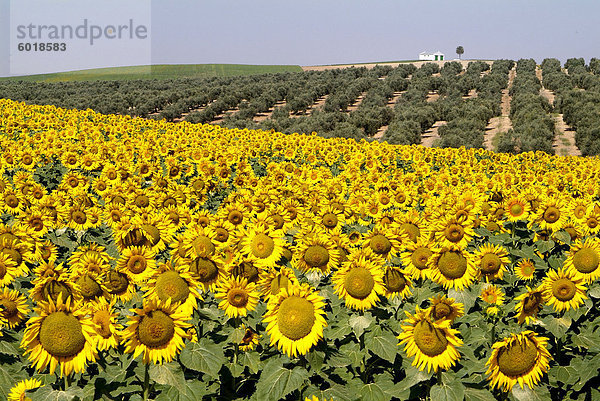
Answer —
54 289
441 310
518 358
61 334
412 231
551 214
278 221
564 289
296 317
169 201
394 281
170 285
279 282
222 234
490 263
142 201
380 244
156 329
237 297
235 217
454 232
516 209
137 264
11 201
527 269
452 265
532 303
102 320
420 257
316 256
205 269
79 217
36 223
153 233
2 270
359 282
203 246
262 246
430 340
8 308
579 212
586 260
116 282
592 222
88 287
330 220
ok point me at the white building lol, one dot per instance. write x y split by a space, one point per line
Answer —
437 56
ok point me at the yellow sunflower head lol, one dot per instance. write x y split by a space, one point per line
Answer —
18 391
529 305
263 244
273 280
452 268
432 343
520 358
492 294
315 252
491 261
416 257
13 307
295 319
104 317
525 269
563 290
396 282
359 283
237 296
583 259
445 308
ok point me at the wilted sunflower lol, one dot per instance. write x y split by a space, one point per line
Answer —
237 296
315 251
119 284
13 307
176 283
18 391
563 290
295 319
60 334
104 317
273 280
584 259
54 286
525 269
250 339
396 282
359 283
263 244
443 307
529 305
520 358
432 343
492 294
491 261
138 262
157 330
452 268
416 257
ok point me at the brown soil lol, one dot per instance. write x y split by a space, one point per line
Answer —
472 94
356 102
545 93
431 135
392 102
502 123
432 97
309 110
220 117
564 140
264 116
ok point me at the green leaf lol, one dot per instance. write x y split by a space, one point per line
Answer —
9 348
594 291
564 374
557 326
46 393
169 374
383 344
413 376
203 356
192 390
360 323
251 359
544 246
9 376
538 393
476 394
372 392
315 359
453 391
563 236
276 381
467 298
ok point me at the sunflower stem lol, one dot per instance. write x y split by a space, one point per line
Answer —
493 333
146 382
439 377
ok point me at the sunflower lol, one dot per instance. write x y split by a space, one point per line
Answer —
396 283
250 339
273 280
236 213
359 283
492 294
563 290
584 259
13 307
295 319
157 330
19 391
551 215
139 263
529 305
237 296
432 343
525 269
46 251
516 208
263 244
60 334
207 271
416 257
197 241
119 284
452 268
412 223
492 261
520 358
104 317
385 241
453 233
153 230
8 269
176 283
315 251
445 308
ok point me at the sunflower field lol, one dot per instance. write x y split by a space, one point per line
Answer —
143 259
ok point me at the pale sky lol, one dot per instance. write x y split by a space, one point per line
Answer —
313 32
